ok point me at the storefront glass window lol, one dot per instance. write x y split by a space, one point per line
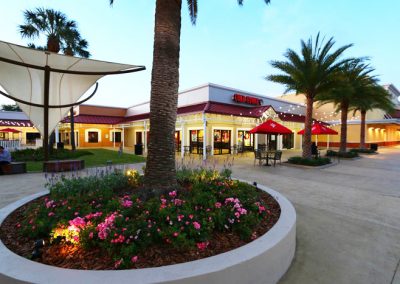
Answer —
93 137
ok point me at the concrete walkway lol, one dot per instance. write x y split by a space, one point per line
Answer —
348 227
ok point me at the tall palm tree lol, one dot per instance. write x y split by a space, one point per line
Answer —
353 78
371 97
160 174
61 35
311 73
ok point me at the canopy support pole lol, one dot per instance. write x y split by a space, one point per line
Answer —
204 137
46 112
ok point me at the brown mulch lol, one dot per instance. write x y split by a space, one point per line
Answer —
74 257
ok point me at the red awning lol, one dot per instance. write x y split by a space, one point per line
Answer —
271 127
12 130
319 129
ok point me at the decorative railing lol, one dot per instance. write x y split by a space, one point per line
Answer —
11 144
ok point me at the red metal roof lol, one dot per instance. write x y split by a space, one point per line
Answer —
16 123
95 119
227 109
396 114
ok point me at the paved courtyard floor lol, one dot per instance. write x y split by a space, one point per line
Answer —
348 226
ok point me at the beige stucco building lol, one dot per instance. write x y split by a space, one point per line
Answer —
381 128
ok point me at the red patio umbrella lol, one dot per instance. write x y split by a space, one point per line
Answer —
319 129
271 127
12 130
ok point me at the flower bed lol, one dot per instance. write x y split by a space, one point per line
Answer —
103 223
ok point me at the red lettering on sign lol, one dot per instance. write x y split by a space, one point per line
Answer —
246 99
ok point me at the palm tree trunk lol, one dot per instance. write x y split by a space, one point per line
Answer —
343 128
307 128
160 174
362 131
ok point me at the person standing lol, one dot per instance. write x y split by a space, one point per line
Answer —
5 158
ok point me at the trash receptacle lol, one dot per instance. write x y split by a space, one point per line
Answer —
138 149
374 146
60 145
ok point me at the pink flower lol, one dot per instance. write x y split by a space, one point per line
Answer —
191 216
178 202
196 225
91 235
78 222
175 234
202 245
76 213
180 217
172 194
127 203
134 259
18 225
49 203
118 263
50 214
237 214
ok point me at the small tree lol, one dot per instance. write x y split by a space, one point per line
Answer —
13 107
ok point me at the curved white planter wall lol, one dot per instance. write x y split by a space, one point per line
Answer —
265 260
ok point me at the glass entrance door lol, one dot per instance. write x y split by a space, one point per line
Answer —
222 142
177 141
196 141
245 140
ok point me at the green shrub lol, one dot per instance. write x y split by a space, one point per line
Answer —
309 162
365 151
350 154
55 154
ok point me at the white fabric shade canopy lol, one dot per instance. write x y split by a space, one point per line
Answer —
27 83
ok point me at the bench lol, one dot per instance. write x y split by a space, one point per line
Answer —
13 168
63 165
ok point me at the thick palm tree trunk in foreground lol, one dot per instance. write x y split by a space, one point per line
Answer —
160 174
362 130
307 128
343 127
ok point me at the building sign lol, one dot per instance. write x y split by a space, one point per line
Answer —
247 99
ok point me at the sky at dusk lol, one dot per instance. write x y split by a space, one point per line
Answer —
229 45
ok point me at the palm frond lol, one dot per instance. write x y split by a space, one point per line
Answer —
192 5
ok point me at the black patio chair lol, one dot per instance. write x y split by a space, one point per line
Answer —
277 156
257 156
314 150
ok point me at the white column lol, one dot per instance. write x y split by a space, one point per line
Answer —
56 134
316 140
113 134
204 136
256 141
145 136
183 140
279 142
123 137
